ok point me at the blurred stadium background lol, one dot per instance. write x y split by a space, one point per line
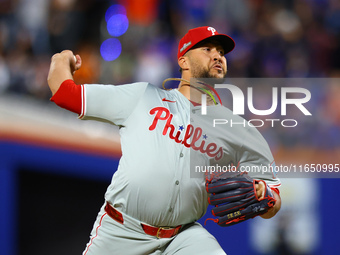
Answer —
54 169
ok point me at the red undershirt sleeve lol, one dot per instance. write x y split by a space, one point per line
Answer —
68 96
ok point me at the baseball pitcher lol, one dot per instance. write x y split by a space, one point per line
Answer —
155 198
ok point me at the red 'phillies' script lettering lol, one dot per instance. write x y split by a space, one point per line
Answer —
162 113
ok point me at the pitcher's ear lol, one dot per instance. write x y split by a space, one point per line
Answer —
183 63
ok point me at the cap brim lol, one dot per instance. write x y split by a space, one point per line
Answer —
226 42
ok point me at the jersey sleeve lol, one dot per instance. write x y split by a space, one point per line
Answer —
68 96
110 103
256 158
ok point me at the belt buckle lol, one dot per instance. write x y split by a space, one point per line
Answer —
161 228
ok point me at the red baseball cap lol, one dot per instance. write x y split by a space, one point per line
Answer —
199 34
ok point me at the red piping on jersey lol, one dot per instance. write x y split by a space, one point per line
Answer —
69 96
82 102
276 190
194 103
100 223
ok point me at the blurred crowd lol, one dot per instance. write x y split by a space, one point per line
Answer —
274 39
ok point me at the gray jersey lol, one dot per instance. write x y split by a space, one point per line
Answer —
242 145
161 143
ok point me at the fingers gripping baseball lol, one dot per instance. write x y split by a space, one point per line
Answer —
238 198
74 61
63 66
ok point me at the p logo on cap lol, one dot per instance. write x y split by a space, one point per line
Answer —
213 30
199 34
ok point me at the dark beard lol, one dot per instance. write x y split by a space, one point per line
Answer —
205 74
207 78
